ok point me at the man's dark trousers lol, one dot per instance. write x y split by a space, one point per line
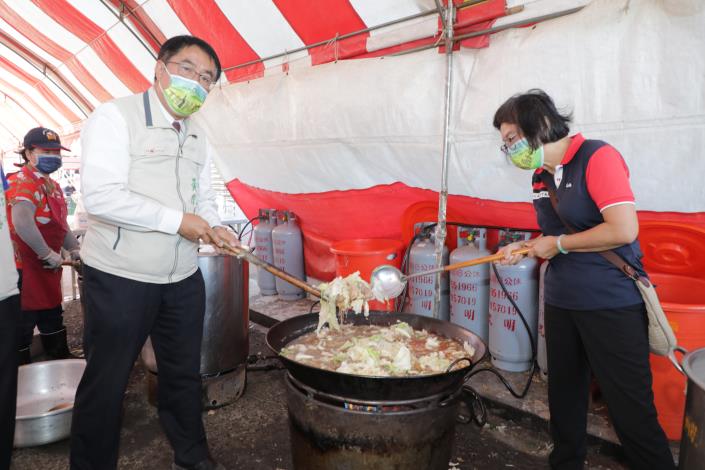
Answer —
119 315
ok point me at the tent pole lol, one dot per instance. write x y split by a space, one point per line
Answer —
48 71
441 231
495 29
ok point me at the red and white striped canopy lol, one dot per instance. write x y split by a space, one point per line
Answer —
61 58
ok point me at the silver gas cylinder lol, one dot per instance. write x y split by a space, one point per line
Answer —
422 257
469 293
264 249
287 242
509 344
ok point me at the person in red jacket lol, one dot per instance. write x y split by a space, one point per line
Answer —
37 212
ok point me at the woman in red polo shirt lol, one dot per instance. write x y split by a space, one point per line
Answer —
37 216
595 317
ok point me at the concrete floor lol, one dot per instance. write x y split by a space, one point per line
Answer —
252 433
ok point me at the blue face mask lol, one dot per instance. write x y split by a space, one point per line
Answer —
48 163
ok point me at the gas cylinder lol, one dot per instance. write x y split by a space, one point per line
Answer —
287 243
422 257
509 344
541 357
263 249
469 293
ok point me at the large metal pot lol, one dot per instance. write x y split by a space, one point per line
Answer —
226 324
692 451
375 388
41 387
225 344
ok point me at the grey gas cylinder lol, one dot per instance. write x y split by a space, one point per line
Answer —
422 257
264 249
509 344
287 242
541 357
469 287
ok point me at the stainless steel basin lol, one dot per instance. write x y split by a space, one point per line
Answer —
45 395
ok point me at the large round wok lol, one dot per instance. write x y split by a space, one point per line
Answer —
376 388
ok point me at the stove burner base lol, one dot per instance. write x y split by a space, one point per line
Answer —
218 390
329 431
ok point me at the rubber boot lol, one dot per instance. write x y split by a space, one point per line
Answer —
55 345
23 356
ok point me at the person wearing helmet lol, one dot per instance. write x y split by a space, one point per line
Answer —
37 212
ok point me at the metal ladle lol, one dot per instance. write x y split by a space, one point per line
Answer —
388 282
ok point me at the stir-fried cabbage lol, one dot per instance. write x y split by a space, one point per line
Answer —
343 293
395 350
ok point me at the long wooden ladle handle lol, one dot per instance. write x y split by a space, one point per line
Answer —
484 259
244 253
465 264
241 252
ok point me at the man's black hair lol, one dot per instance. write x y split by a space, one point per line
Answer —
536 115
173 45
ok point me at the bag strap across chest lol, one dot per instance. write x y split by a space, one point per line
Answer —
609 255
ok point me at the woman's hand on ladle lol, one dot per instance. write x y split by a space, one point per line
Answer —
507 250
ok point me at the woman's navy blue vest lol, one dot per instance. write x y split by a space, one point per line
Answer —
582 281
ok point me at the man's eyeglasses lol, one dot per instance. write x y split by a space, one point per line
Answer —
189 71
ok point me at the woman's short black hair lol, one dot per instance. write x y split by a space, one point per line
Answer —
173 45
536 115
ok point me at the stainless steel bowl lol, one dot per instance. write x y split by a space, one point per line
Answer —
45 395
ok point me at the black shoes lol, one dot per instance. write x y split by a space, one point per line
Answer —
208 464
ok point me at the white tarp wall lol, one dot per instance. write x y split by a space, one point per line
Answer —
632 72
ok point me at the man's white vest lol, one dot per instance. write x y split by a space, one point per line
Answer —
164 170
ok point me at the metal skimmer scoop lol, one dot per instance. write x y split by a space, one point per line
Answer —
388 282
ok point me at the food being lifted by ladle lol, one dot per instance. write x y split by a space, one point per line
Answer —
348 293
344 293
388 282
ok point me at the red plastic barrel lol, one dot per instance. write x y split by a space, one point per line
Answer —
683 300
365 254
674 257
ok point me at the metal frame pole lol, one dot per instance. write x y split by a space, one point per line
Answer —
441 231
496 29
466 3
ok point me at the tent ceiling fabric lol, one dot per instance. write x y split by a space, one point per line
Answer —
61 58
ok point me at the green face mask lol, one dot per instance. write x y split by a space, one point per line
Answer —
522 156
184 96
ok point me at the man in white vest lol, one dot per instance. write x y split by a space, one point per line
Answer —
145 176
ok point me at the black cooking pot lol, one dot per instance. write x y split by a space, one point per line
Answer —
369 388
